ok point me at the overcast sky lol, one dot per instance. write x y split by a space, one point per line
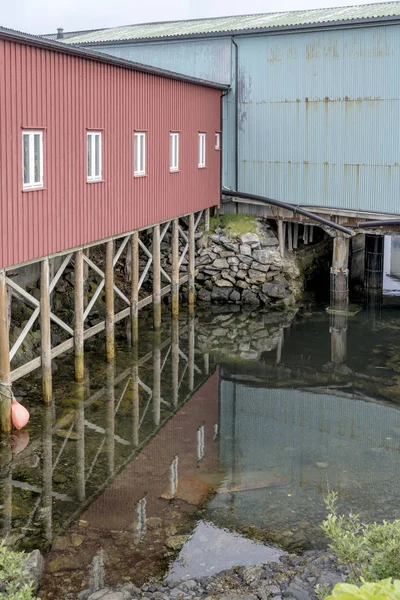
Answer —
44 16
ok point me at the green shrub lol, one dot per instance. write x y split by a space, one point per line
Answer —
11 586
371 551
382 590
234 224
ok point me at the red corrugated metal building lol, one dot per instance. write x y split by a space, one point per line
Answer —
67 159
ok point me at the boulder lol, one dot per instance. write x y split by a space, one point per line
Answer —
224 283
233 260
247 260
255 276
251 239
249 297
235 296
226 275
242 284
221 294
275 290
245 249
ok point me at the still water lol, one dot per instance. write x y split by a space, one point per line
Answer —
229 427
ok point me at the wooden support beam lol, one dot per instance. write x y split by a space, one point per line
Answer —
191 352
45 327
156 278
295 236
290 236
281 239
175 268
207 219
5 398
192 249
135 287
109 290
157 378
175 359
79 311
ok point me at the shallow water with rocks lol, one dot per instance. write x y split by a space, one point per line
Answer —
206 450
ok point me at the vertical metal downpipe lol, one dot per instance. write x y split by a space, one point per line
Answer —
221 125
236 114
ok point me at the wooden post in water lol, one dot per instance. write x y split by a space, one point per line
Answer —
135 397
311 234
290 236
191 352
175 360
340 273
134 287
47 489
5 398
79 310
192 248
207 219
80 442
157 378
206 359
110 416
175 268
305 235
109 292
295 236
281 238
45 327
156 278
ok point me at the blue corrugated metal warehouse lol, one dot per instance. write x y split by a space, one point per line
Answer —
313 113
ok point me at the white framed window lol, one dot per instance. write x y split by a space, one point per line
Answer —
139 153
174 151
202 150
93 155
217 140
32 159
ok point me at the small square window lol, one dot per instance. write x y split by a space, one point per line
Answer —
32 159
202 150
174 151
139 151
217 141
94 156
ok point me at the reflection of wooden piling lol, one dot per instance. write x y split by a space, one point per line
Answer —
156 278
109 292
6 488
192 249
295 236
175 268
5 399
134 286
79 310
175 360
47 500
157 379
207 219
110 418
191 352
206 359
279 347
80 443
311 234
45 331
281 239
135 397
290 236
305 235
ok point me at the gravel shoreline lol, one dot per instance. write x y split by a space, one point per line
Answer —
292 578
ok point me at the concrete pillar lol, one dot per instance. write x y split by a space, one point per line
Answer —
340 273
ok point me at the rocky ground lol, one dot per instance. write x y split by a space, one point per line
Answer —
306 577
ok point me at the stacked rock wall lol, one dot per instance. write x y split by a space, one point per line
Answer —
246 269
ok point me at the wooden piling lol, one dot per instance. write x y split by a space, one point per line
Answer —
110 418
109 293
157 378
305 235
295 236
175 360
191 352
45 327
5 398
80 442
79 310
192 248
311 234
47 473
156 278
281 238
134 286
135 397
175 268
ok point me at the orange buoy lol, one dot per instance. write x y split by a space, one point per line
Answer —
19 414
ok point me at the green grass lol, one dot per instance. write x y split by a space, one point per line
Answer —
234 224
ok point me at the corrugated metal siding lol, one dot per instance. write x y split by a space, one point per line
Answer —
318 118
209 60
66 96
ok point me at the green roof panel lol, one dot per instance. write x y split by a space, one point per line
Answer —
244 23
